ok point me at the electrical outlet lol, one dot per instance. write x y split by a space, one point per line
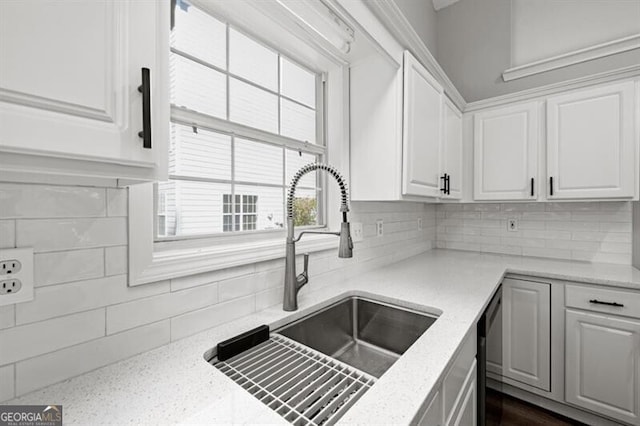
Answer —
357 233
379 230
16 275
512 225
10 286
419 224
11 266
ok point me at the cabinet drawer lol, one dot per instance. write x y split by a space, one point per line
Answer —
602 300
455 378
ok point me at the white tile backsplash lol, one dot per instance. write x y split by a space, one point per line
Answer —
7 316
7 382
128 315
596 232
66 234
117 202
78 296
25 341
116 261
7 233
48 201
65 266
37 372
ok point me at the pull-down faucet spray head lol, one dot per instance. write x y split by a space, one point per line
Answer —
292 281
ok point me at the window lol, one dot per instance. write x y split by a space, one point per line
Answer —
244 118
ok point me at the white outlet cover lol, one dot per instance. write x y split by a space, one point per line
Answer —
512 225
357 231
379 228
419 224
25 275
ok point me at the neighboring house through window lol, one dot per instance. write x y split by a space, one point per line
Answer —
244 118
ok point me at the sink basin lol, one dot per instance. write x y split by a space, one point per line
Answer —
365 334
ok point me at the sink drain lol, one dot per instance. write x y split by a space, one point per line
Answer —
304 386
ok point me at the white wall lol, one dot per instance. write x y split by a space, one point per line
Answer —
545 28
474 46
84 315
422 16
596 232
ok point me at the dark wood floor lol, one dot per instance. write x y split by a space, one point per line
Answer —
516 413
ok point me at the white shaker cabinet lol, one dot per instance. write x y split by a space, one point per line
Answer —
69 78
451 152
603 364
591 152
505 153
422 130
526 324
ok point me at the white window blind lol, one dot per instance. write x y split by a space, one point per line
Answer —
245 118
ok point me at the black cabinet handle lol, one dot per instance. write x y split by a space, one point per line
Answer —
448 184
532 184
551 186
443 178
145 89
599 302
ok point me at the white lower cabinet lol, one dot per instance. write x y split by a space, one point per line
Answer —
602 366
455 402
526 336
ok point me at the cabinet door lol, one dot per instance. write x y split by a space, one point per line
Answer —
506 152
433 415
591 151
452 149
602 364
467 414
422 128
526 321
69 77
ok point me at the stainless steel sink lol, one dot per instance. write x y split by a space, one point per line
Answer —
365 334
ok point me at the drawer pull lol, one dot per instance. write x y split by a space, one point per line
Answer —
599 302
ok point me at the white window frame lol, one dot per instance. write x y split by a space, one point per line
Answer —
151 261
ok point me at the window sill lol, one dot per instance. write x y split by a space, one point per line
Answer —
148 265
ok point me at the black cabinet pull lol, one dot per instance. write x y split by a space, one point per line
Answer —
532 181
448 183
443 178
599 302
551 186
145 89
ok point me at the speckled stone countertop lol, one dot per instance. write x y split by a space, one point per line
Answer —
173 384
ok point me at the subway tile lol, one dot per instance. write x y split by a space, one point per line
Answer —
547 252
7 233
116 261
622 248
502 249
616 226
49 201
211 277
62 299
66 266
151 309
7 316
212 316
573 245
54 367
238 287
270 297
26 341
64 234
7 382
117 201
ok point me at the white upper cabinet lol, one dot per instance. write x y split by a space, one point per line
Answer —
69 77
422 130
591 151
452 151
506 153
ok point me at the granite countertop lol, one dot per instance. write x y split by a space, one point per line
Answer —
174 384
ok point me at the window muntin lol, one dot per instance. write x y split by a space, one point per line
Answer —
245 125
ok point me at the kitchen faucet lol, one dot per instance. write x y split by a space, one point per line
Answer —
292 282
